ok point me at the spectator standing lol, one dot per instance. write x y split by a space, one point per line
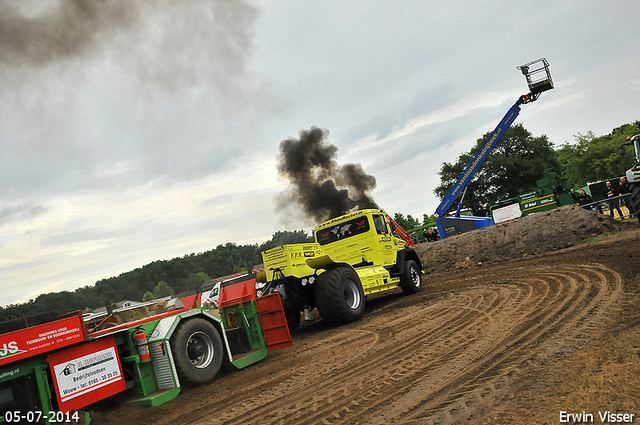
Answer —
431 235
624 191
584 200
610 193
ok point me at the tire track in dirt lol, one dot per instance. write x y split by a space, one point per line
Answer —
356 341
433 362
593 291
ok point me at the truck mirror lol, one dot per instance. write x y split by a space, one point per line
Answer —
621 151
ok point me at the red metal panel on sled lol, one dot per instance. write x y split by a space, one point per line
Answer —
189 301
274 322
237 292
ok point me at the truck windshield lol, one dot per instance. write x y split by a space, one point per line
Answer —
343 230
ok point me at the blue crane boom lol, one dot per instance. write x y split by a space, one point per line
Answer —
539 80
477 161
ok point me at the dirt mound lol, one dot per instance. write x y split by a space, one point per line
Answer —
534 234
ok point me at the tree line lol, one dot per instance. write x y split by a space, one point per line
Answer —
512 168
159 278
519 160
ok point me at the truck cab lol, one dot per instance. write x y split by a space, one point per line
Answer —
360 238
353 255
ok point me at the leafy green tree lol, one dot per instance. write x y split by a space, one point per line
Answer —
592 158
512 168
409 223
428 219
12 311
162 290
148 296
194 281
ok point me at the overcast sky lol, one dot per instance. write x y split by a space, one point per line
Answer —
136 131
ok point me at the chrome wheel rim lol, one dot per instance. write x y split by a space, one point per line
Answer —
200 350
415 277
352 294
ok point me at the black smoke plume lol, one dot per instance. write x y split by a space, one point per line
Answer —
323 188
69 28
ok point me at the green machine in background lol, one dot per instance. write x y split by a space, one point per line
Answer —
552 191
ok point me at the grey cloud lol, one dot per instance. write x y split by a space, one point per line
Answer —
432 137
20 212
422 102
82 235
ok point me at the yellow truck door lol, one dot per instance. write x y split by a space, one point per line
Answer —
385 250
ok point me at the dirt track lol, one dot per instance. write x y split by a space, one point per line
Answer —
467 348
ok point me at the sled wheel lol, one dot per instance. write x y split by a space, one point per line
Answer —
339 296
411 279
197 351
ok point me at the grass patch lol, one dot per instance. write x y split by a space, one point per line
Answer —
606 378
606 236
598 379
598 238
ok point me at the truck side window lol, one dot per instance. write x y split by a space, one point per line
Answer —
381 226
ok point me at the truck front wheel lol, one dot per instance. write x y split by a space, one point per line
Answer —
339 296
197 351
411 279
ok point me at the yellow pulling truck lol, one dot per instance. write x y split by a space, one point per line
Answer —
353 255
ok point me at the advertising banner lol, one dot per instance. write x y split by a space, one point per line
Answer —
86 373
506 213
40 339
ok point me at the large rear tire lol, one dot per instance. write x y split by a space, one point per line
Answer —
339 296
634 189
411 279
197 351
